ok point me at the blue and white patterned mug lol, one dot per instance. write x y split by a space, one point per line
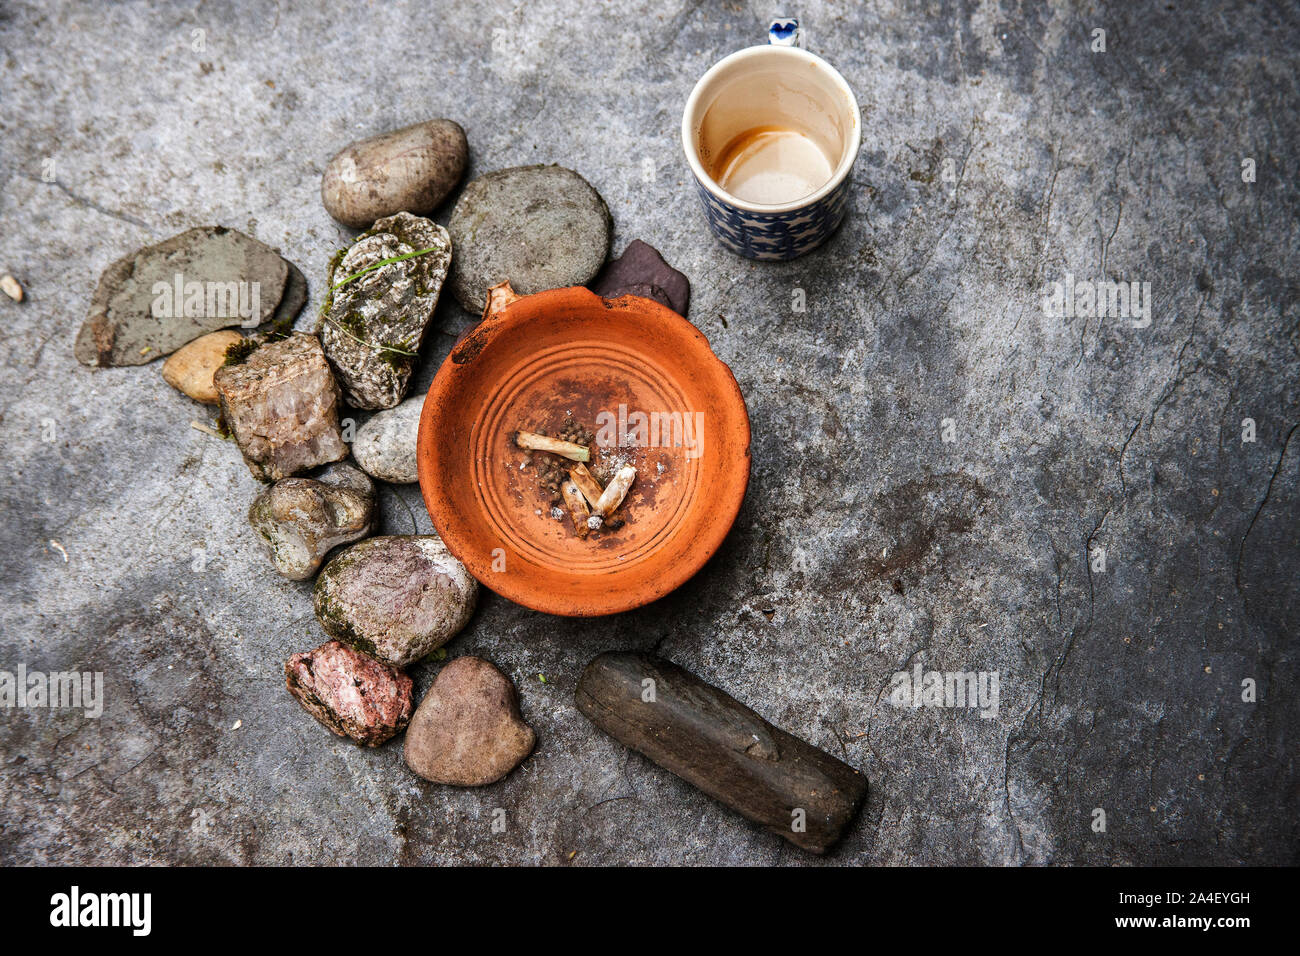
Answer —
778 86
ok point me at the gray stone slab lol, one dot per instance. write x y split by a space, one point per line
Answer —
1000 154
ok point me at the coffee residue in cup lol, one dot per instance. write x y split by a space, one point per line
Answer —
771 165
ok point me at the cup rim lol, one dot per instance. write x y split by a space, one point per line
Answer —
704 179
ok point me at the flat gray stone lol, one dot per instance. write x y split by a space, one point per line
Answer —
151 302
537 227
294 298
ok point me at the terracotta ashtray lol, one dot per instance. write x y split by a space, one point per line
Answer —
570 359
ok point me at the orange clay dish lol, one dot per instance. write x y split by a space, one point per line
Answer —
667 486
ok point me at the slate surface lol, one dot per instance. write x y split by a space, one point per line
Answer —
867 543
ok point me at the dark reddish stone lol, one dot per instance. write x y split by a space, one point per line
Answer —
641 270
351 693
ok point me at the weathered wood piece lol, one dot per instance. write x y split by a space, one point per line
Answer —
713 741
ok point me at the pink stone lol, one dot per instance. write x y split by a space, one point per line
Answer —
351 693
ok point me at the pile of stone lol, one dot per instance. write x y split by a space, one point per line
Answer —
220 306
387 602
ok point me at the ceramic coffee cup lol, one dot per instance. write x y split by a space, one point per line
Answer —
771 134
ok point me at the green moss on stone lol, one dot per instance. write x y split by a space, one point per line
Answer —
238 352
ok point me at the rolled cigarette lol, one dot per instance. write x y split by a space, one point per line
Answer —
577 506
586 482
566 449
612 496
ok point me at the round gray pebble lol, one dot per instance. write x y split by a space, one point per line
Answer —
540 227
385 446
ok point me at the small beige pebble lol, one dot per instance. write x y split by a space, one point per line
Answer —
190 368
11 288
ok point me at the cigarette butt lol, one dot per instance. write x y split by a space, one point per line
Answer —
566 449
582 477
577 506
612 496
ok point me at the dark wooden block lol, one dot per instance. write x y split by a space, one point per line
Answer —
713 741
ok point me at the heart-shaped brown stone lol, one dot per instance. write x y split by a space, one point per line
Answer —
467 731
